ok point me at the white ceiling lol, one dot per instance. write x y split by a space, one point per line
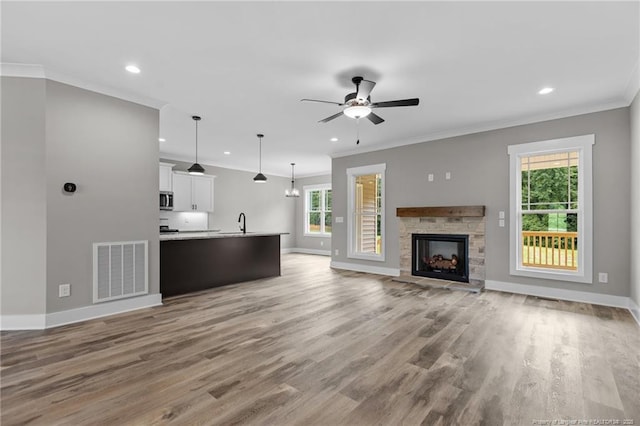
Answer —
244 66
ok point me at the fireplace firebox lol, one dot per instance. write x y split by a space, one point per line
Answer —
443 256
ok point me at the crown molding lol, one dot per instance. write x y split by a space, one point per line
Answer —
633 85
38 71
21 70
487 127
204 162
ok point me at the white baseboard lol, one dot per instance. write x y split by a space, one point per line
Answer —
635 310
23 322
312 251
568 295
55 319
379 270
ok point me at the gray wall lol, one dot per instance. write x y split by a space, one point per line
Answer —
109 148
635 199
23 194
53 133
480 176
309 243
265 206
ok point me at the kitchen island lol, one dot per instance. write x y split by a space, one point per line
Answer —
194 261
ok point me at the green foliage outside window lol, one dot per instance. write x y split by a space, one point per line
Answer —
319 211
550 189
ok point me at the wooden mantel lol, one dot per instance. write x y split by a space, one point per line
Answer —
452 211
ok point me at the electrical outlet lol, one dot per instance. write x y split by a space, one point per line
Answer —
447 175
337 252
603 277
64 290
501 214
501 223
430 177
321 243
339 219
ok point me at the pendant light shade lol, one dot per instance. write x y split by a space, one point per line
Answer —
260 178
196 169
293 191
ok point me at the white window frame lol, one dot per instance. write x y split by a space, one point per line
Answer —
306 190
584 145
352 174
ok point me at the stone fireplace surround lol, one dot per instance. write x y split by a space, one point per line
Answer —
469 220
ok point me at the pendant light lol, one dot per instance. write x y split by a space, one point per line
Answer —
293 192
196 169
260 178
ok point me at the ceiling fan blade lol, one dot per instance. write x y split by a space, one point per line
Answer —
374 118
331 118
402 102
364 89
324 102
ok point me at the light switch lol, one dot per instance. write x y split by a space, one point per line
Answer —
339 219
501 223
447 175
501 214
430 177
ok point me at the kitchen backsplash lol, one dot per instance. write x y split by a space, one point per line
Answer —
185 221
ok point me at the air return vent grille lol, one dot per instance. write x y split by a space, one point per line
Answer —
119 270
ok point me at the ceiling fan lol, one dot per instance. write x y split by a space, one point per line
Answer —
358 104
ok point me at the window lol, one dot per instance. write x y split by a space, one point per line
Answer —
317 208
366 212
551 209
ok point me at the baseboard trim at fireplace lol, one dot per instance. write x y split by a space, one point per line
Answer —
562 294
379 270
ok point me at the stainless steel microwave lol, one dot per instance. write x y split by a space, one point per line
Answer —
166 200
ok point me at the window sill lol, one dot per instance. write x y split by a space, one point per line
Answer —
318 235
546 274
364 256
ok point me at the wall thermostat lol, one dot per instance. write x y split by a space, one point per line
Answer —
69 187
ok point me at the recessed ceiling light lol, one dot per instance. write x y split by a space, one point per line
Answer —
132 69
227 153
546 91
161 139
334 139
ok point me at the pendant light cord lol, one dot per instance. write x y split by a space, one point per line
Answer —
260 155
196 141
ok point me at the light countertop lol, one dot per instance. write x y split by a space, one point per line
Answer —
213 234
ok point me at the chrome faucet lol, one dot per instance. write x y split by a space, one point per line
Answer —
242 218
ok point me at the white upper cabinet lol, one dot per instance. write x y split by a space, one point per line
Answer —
166 170
192 193
202 193
182 193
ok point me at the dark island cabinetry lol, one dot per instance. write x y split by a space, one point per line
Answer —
193 264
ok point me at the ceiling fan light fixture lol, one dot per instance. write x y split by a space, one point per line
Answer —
357 111
196 168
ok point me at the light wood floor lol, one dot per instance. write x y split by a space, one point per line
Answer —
318 346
